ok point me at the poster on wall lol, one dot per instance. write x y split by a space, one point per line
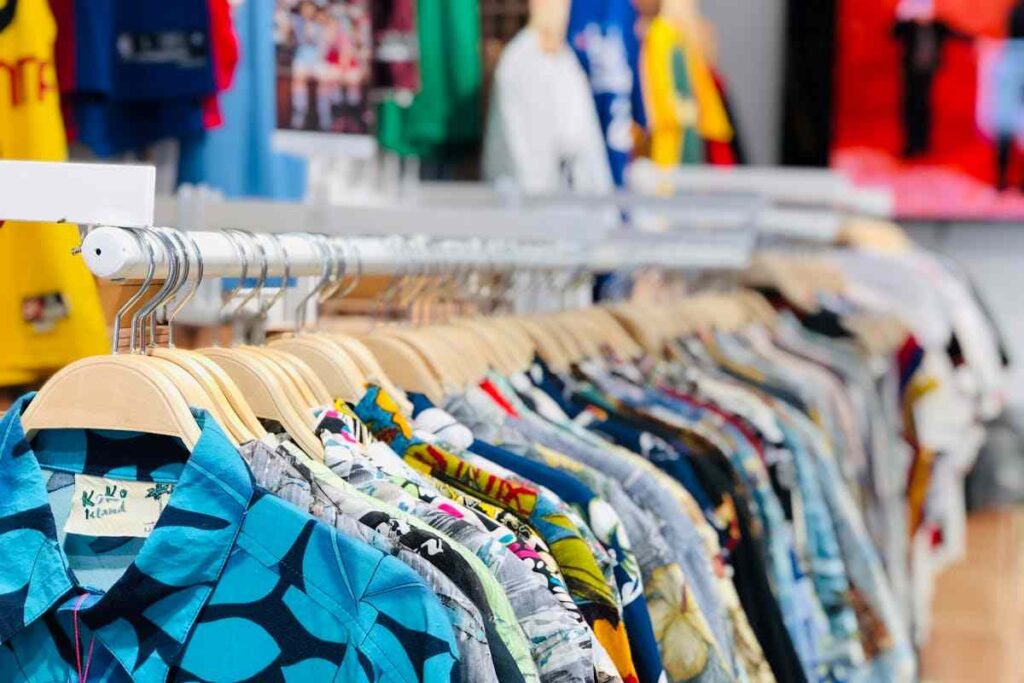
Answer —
929 100
323 51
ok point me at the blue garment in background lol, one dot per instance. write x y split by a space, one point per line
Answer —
603 35
142 70
237 158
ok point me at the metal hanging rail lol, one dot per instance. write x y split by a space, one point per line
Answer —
583 233
118 253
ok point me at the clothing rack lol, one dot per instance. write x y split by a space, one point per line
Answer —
470 229
120 253
685 232
730 397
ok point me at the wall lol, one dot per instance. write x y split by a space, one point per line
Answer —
751 55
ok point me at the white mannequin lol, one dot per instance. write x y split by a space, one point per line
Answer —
543 134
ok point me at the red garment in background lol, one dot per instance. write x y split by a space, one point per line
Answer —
720 153
224 44
869 86
396 66
724 153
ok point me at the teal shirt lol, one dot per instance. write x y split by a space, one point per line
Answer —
231 584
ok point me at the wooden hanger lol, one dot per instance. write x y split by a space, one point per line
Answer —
328 361
310 387
269 395
595 331
362 359
619 339
122 392
240 407
270 390
125 392
372 370
223 410
451 378
524 347
463 354
567 324
195 394
467 349
758 307
502 355
215 385
283 366
302 401
549 347
574 352
404 366
325 354
143 319
641 327
481 352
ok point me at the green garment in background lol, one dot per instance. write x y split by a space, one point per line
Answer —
446 115
693 144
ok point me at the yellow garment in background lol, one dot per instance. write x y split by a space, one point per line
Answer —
672 112
712 118
50 311
665 111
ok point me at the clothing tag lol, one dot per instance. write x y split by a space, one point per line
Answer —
107 507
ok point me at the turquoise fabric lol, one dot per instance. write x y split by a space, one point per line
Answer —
231 585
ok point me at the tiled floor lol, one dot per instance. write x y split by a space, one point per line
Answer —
978 625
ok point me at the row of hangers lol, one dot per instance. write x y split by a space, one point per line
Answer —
151 388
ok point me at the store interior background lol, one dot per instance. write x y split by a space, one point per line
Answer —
756 70
978 632
979 618
979 611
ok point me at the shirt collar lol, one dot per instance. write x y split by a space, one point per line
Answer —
146 616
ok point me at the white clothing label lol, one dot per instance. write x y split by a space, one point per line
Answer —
108 507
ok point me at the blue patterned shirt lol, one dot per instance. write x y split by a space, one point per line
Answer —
231 583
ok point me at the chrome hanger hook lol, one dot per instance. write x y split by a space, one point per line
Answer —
243 257
265 308
339 266
345 245
146 246
257 289
181 301
387 295
186 270
317 242
138 332
147 314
